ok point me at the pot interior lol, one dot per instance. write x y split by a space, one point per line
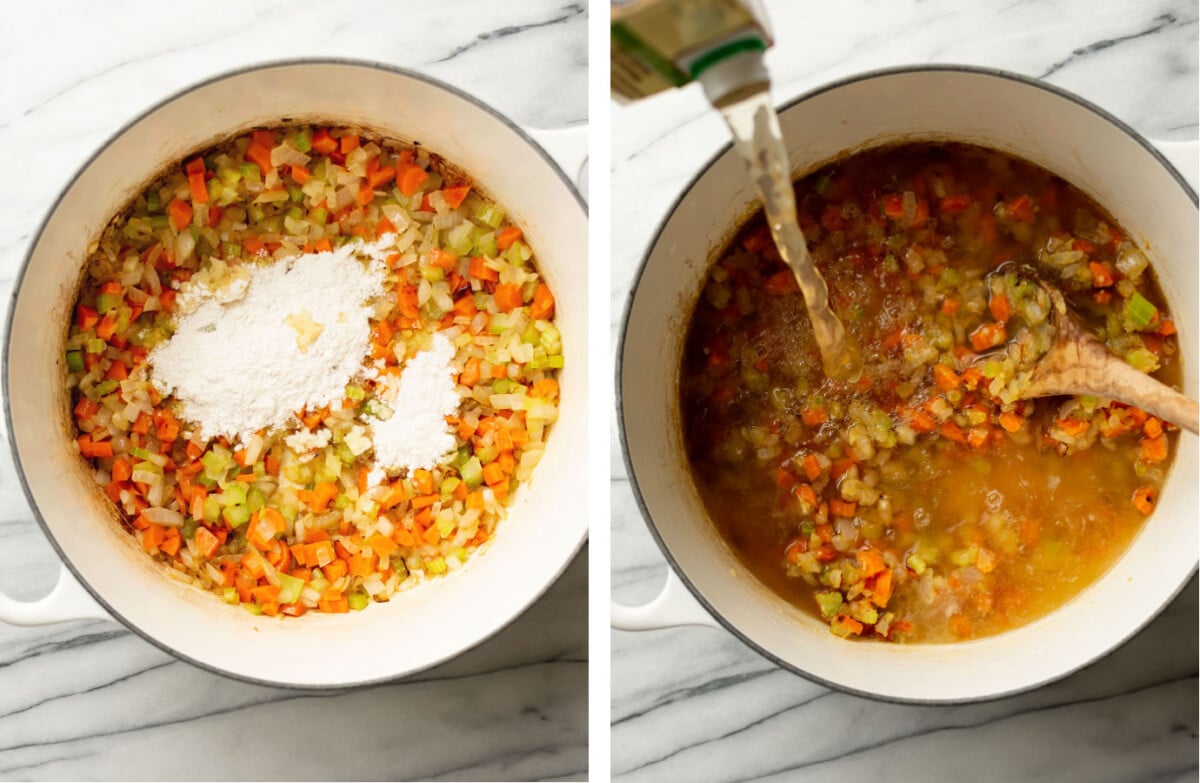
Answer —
546 523
1014 116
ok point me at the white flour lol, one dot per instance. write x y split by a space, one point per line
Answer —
416 435
237 366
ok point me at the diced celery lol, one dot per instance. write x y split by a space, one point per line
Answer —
434 274
965 556
1139 311
486 454
104 388
159 222
229 595
289 588
1142 360
864 612
236 516
296 195
253 609
355 392
250 171
212 509
318 216
555 362
216 462
502 386
153 202
358 601
829 602
302 141
75 361
485 245
449 484
435 566
342 502
234 494
916 564
491 214
106 302
255 500
95 345
215 189
552 340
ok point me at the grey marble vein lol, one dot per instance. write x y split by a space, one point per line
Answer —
695 703
90 700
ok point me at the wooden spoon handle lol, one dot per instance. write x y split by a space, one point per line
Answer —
1122 382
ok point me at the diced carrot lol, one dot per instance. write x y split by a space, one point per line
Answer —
455 195
181 214
152 537
300 174
1153 428
323 143
1143 499
206 542
507 236
1011 422
117 371
1000 308
141 425
259 153
840 466
441 259
365 194
363 564
319 554
1101 275
424 501
493 474
332 602
848 624
1153 449
423 481
842 508
172 541
954 203
951 306
892 205
1020 209
481 271
86 317
546 387
871 561
881 590
805 493
254 246
1072 427
812 468
470 374
977 437
951 431
348 143
122 469
781 283
543 303
198 187
988 336
814 415
945 378
384 546
508 297
410 177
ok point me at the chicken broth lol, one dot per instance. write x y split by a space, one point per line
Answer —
925 501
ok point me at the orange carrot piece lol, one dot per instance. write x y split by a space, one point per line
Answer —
988 336
945 378
300 174
881 591
1011 422
481 271
198 187
259 153
206 542
508 297
1143 499
348 143
951 431
543 303
1150 449
455 195
363 564
507 236
1000 308
181 214
842 508
410 177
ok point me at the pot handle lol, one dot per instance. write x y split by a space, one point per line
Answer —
1184 156
673 606
67 601
568 147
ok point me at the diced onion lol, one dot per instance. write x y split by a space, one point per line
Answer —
164 516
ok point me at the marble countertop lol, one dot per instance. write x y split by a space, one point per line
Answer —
89 700
695 703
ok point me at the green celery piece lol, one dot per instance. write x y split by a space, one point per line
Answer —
472 472
555 362
234 495
486 454
302 141
435 566
289 588
502 386
75 361
212 509
318 216
829 602
1139 311
95 345
358 601
255 500
296 195
236 516
153 202
355 392
105 388
106 302
1142 360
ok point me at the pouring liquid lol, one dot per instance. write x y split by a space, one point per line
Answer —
755 127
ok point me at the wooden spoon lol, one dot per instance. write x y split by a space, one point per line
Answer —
1078 363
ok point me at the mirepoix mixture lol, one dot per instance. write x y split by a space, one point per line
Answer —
299 517
926 502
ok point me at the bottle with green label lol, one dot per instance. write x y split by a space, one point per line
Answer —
659 44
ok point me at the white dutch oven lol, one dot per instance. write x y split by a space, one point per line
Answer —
419 628
1031 120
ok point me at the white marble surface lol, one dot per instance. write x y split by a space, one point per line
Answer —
90 700
696 704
